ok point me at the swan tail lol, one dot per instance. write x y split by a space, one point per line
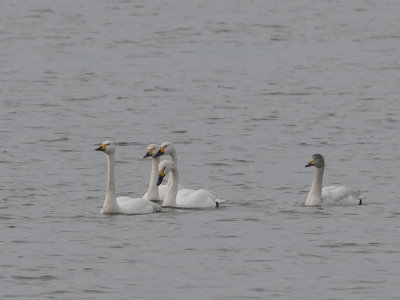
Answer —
360 196
218 202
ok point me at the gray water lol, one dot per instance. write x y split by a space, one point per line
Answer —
247 91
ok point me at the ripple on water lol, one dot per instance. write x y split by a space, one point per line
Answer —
39 278
252 95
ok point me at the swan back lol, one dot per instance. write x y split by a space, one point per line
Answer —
341 195
135 206
201 198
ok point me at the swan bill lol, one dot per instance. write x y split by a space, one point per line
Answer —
160 179
148 153
317 160
101 148
159 152
161 175
310 164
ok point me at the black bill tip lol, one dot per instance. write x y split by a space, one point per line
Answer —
159 153
160 179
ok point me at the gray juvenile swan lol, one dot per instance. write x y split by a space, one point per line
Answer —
333 195
123 204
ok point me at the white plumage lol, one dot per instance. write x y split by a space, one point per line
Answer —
331 195
123 204
184 198
154 192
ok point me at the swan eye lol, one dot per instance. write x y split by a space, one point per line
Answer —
162 149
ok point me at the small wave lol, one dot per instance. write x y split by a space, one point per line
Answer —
41 278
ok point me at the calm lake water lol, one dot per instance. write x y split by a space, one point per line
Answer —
247 91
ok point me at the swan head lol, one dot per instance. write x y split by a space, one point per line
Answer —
106 147
164 167
165 148
150 150
317 160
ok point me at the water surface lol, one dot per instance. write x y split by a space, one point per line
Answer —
247 91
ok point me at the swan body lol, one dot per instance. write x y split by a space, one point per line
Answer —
167 148
123 204
331 195
154 192
184 198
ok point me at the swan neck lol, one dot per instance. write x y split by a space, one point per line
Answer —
110 202
172 190
174 157
152 191
110 176
314 196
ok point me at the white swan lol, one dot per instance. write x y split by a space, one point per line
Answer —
334 195
154 192
167 148
121 205
184 198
